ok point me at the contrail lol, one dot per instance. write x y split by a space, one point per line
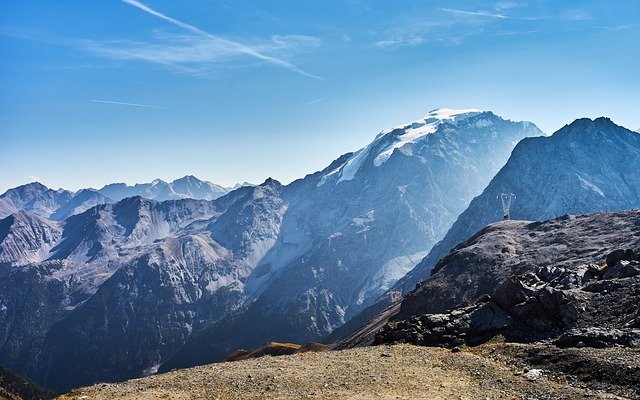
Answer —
122 103
240 48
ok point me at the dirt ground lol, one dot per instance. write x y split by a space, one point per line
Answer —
383 372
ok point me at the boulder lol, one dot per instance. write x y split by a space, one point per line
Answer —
599 337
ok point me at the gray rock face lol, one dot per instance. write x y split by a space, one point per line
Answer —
26 238
48 268
599 337
513 279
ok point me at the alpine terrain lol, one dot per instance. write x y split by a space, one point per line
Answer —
122 289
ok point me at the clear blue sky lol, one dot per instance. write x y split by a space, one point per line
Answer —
235 91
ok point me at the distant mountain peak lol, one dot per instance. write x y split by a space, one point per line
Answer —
240 185
405 136
28 187
186 187
188 179
271 182
416 130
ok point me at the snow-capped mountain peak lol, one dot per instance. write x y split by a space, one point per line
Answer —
387 141
414 131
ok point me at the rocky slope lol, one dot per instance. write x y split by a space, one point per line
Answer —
587 166
49 268
572 280
142 313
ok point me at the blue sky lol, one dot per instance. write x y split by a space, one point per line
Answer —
236 91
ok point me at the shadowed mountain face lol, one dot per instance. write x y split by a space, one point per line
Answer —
129 283
587 166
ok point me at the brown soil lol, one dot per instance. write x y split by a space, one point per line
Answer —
490 371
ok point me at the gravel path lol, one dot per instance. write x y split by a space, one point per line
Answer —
383 372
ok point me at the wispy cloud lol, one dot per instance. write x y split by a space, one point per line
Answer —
454 26
574 15
413 31
224 47
313 102
618 28
475 13
507 5
123 103
400 41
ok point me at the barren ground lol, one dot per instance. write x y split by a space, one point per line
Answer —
490 371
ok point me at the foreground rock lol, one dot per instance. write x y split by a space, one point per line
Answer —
382 372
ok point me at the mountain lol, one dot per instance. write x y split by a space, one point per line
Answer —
587 166
351 230
126 285
186 187
48 203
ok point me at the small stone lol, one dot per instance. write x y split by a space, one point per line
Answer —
455 349
533 374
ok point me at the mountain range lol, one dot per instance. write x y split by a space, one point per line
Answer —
187 187
127 286
60 204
